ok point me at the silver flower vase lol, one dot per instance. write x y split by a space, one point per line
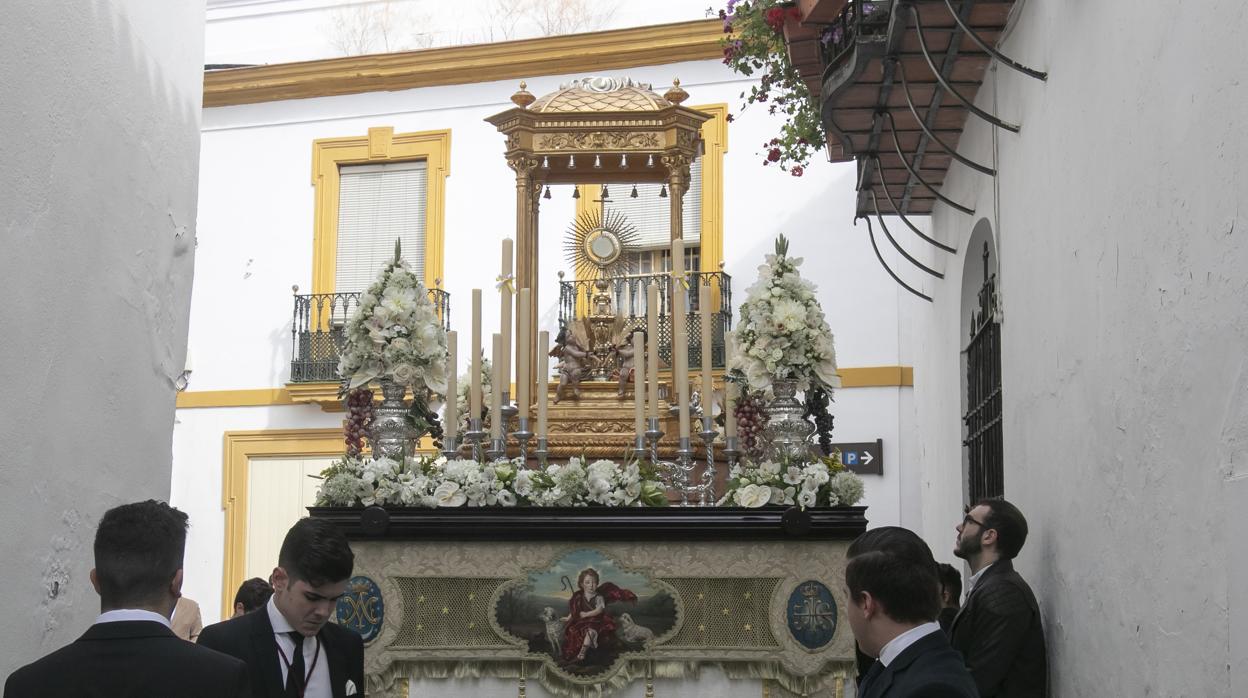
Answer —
390 434
787 434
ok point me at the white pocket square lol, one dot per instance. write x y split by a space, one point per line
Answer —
351 689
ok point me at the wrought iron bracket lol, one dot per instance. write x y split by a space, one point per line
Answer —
927 56
905 90
1005 60
892 129
888 195
908 287
876 205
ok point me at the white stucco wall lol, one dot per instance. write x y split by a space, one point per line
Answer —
99 116
1124 342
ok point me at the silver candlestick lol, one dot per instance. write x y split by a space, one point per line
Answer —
731 451
522 436
683 467
450 448
509 410
497 449
541 452
706 490
653 434
639 447
475 436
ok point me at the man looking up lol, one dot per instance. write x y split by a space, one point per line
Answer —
290 647
998 630
130 651
894 597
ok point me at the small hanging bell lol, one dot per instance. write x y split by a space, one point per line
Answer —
576 192
571 162
623 162
605 194
545 163
663 192
547 194
650 161
634 194
597 162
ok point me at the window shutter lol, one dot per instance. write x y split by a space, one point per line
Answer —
376 205
652 215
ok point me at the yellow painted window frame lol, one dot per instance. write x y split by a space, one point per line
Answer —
715 142
380 145
239 448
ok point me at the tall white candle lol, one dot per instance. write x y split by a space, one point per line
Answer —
680 340
496 395
451 428
503 358
543 381
523 347
652 361
639 377
474 391
704 312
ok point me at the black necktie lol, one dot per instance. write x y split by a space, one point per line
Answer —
864 688
296 675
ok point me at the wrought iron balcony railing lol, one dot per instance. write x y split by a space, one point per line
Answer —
317 331
629 300
859 19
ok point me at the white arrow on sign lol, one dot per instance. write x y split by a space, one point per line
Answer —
867 458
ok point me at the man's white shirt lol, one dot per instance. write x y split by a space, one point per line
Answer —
318 684
125 614
899 644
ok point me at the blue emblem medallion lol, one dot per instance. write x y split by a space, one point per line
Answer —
811 614
361 608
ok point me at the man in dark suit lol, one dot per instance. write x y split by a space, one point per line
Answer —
289 645
950 595
130 651
894 597
998 630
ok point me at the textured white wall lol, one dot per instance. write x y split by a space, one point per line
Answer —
99 111
1124 342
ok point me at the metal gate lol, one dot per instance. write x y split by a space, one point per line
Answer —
985 471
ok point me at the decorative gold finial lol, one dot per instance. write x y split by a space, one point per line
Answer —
523 98
675 94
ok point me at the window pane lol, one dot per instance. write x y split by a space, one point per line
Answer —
378 204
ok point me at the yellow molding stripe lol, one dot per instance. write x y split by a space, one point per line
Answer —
857 377
239 448
460 65
261 397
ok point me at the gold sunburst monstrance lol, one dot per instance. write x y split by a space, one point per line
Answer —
594 131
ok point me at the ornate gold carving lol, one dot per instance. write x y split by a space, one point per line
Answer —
598 140
522 163
614 427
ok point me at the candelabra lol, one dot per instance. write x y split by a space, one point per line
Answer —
731 452
475 436
450 447
541 452
522 436
509 410
498 448
653 434
682 468
706 489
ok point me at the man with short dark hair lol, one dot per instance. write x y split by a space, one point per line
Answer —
289 645
130 651
950 595
998 630
894 597
251 595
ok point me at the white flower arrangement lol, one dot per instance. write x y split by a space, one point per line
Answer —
783 334
395 334
824 482
430 482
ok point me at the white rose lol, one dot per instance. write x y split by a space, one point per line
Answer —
449 495
807 498
404 373
753 496
506 498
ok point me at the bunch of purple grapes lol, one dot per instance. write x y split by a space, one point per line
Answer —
359 418
751 420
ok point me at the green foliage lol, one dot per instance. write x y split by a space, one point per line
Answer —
756 47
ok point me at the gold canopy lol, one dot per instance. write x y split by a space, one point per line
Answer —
590 131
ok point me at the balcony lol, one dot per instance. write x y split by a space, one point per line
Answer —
629 300
317 337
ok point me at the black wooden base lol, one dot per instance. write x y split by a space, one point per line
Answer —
596 523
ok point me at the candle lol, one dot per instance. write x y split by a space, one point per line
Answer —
652 361
503 358
522 353
704 310
680 341
496 395
452 386
474 391
639 377
543 381
730 393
